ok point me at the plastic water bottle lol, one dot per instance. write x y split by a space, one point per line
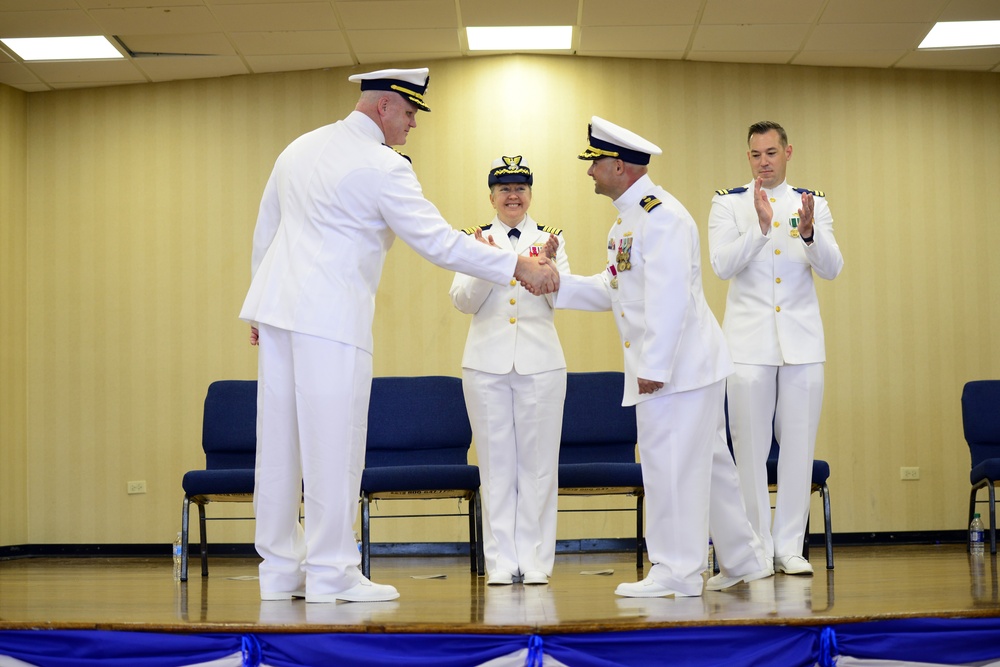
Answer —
976 536
711 557
177 558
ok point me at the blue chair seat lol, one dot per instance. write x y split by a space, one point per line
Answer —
597 476
218 482
419 478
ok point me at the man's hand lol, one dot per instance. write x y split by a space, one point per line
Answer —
762 203
649 386
538 276
254 335
806 218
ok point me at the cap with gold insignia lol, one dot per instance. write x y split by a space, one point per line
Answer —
610 140
510 170
410 83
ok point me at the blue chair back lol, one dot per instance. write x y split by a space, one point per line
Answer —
596 428
229 428
981 419
417 421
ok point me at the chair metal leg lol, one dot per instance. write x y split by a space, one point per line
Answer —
473 553
204 539
824 492
638 532
185 510
993 519
480 555
365 543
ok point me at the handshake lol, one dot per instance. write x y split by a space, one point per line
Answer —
538 275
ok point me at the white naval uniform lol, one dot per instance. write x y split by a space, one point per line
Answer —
333 205
775 333
652 284
514 377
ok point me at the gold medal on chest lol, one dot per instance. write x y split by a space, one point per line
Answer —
793 222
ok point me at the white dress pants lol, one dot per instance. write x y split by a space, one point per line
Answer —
517 425
689 478
312 424
793 396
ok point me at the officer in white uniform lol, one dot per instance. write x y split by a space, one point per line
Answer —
333 205
514 377
768 239
676 363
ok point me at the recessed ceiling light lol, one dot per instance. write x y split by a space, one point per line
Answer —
962 35
520 38
62 48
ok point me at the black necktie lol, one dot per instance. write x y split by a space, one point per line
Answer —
514 234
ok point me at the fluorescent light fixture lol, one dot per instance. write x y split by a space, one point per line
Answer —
521 38
962 35
62 48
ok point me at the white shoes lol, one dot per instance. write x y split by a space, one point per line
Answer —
792 565
500 578
535 577
720 581
274 596
363 591
647 588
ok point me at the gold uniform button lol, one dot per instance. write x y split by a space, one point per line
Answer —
777 252
622 313
777 309
513 301
628 344
777 280
618 221
777 224
773 200
513 319
513 282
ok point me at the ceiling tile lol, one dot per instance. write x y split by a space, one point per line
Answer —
440 40
882 11
36 5
172 68
519 12
866 36
632 39
290 43
398 14
729 12
277 16
971 10
214 44
296 63
96 72
639 12
14 74
108 4
419 59
848 58
155 20
761 57
749 38
47 24
957 59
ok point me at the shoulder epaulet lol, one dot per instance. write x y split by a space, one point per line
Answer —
815 193
550 230
472 230
649 202
731 191
404 155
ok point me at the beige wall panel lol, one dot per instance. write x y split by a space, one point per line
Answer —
142 200
13 331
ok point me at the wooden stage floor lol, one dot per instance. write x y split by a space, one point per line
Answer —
440 595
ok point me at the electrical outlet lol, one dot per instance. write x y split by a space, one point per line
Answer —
909 474
137 487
